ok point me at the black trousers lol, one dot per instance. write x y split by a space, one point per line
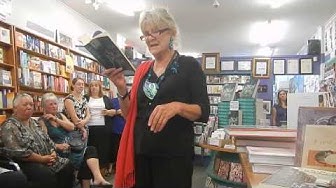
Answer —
100 137
84 172
13 179
40 176
115 140
163 172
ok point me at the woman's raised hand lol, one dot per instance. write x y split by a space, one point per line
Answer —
117 77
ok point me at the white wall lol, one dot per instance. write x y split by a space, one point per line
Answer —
52 15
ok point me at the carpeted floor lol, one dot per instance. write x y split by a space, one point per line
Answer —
199 175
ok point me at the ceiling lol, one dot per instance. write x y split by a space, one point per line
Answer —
224 29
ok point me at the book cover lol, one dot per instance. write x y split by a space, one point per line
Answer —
235 118
107 53
4 35
1 55
311 116
299 177
250 89
236 172
224 169
319 148
228 91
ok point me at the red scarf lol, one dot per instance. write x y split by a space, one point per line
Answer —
125 174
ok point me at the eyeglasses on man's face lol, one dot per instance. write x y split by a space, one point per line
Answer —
154 34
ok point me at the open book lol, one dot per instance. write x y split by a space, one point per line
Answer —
107 52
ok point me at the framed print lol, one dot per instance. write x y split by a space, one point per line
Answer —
267 107
227 65
63 39
278 66
262 89
210 62
244 65
261 68
306 66
292 66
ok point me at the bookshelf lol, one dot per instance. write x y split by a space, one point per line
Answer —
35 64
215 86
7 68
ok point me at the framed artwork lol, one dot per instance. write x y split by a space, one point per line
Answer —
63 39
267 106
278 66
244 65
292 66
306 66
262 89
227 65
261 68
210 62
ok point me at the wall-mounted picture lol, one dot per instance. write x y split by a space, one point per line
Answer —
261 68
210 62
262 89
244 65
227 65
267 106
306 66
278 66
292 66
63 39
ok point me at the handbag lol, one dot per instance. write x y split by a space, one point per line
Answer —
76 142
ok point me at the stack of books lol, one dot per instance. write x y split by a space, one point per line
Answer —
268 149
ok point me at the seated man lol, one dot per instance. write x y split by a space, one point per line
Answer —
24 141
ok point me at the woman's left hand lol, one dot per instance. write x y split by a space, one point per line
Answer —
84 133
161 114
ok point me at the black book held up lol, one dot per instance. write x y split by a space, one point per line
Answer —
107 53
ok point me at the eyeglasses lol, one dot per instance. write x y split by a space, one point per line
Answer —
154 34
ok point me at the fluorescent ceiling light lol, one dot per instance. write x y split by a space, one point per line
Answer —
126 7
274 3
269 32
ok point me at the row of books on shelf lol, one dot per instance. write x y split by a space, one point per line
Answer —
88 77
35 63
6 98
39 80
87 63
32 43
221 79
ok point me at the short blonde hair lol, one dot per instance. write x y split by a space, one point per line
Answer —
100 94
159 18
48 96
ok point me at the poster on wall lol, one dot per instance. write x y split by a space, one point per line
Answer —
278 66
5 9
292 66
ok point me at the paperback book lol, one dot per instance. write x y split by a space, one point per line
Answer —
299 177
228 92
107 52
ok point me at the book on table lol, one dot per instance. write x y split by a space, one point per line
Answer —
281 156
315 144
107 52
299 177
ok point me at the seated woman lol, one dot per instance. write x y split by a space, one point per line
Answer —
23 140
58 128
